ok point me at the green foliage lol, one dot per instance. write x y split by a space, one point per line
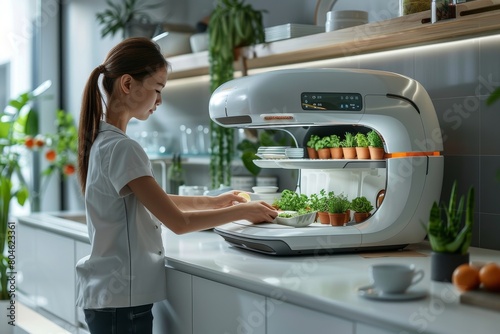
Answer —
327 142
232 24
319 202
312 141
292 201
361 140
338 203
494 96
446 232
349 140
374 139
116 17
361 204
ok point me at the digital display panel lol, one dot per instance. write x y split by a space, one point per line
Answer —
331 101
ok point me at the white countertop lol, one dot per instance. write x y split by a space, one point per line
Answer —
329 283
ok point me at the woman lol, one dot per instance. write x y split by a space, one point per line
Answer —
124 274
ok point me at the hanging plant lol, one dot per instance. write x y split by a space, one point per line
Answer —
232 24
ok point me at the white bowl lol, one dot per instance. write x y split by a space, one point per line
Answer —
297 221
199 42
268 198
265 189
173 43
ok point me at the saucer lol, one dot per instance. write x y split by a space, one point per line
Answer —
370 293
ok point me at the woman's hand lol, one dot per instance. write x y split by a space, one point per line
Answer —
258 212
227 199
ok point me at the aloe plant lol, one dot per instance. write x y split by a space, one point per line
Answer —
445 231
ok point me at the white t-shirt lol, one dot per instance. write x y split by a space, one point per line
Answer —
126 265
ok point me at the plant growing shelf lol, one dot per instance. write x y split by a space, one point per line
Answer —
320 164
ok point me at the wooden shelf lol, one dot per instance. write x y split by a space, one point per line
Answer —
474 19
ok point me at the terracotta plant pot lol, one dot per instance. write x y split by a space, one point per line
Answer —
363 152
361 216
323 217
312 153
349 152
347 216
324 153
336 152
337 219
376 153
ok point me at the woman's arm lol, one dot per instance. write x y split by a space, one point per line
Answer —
206 202
152 196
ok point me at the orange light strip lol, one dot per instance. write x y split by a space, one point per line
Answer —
411 154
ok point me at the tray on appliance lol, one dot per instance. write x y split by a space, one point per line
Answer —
319 163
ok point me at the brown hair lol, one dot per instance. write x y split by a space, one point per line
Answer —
138 57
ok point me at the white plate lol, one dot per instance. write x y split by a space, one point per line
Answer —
371 293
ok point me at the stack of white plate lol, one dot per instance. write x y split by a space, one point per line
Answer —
291 30
272 152
294 152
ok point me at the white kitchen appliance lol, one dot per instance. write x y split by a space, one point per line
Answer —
326 101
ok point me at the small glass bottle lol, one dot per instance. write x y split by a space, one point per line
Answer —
175 174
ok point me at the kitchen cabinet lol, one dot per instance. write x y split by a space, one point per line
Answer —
56 286
219 308
175 315
82 249
287 318
476 18
26 255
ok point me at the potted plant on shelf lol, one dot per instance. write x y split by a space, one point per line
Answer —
362 151
232 24
349 146
335 149
362 208
311 147
337 209
129 15
322 146
376 145
449 237
291 201
319 203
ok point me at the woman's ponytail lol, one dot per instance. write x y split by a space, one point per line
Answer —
90 116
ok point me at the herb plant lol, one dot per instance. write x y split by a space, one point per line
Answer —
374 139
338 203
349 140
292 201
312 141
319 202
361 140
361 204
446 232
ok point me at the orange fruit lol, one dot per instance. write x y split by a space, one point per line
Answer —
244 195
69 169
490 276
466 277
50 155
29 142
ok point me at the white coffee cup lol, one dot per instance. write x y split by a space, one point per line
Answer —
395 278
